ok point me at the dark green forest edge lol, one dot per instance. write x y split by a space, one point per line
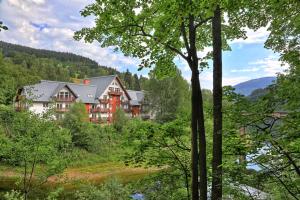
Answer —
39 156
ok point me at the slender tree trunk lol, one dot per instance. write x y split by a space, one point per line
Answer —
198 141
198 128
194 138
202 146
217 106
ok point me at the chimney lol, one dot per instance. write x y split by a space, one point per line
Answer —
86 81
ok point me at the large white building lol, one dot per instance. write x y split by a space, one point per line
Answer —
101 95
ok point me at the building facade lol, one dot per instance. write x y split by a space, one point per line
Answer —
101 95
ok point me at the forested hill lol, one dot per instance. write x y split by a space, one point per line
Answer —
9 50
21 65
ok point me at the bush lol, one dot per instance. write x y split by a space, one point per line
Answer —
111 190
119 120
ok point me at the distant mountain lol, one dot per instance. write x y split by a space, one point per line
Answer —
247 87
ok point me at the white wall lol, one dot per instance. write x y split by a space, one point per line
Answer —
114 84
38 108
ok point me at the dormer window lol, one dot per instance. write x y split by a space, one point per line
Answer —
64 95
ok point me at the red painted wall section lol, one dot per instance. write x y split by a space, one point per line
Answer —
135 111
86 82
87 107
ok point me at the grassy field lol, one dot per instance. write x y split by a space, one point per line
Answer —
75 177
87 169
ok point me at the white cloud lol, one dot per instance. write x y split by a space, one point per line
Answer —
59 20
252 69
270 65
235 80
253 37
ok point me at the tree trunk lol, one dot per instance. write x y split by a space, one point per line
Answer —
194 137
217 106
198 127
202 144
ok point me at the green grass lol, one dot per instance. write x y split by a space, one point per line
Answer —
76 177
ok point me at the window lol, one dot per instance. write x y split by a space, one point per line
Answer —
117 89
104 105
68 106
64 95
67 94
104 96
59 105
45 105
111 89
94 115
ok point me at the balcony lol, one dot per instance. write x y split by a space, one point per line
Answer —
62 109
115 93
64 99
101 110
104 101
94 120
125 102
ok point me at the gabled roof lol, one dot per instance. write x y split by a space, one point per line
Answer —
102 82
45 91
61 86
137 97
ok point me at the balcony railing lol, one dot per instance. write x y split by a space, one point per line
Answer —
94 120
62 109
104 101
97 110
64 99
117 93
125 102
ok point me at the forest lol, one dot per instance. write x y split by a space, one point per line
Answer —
202 144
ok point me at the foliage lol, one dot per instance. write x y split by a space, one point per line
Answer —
3 27
119 119
164 185
76 121
11 78
110 190
272 139
168 97
89 136
13 195
27 140
166 146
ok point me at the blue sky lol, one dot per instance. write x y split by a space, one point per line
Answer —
50 24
